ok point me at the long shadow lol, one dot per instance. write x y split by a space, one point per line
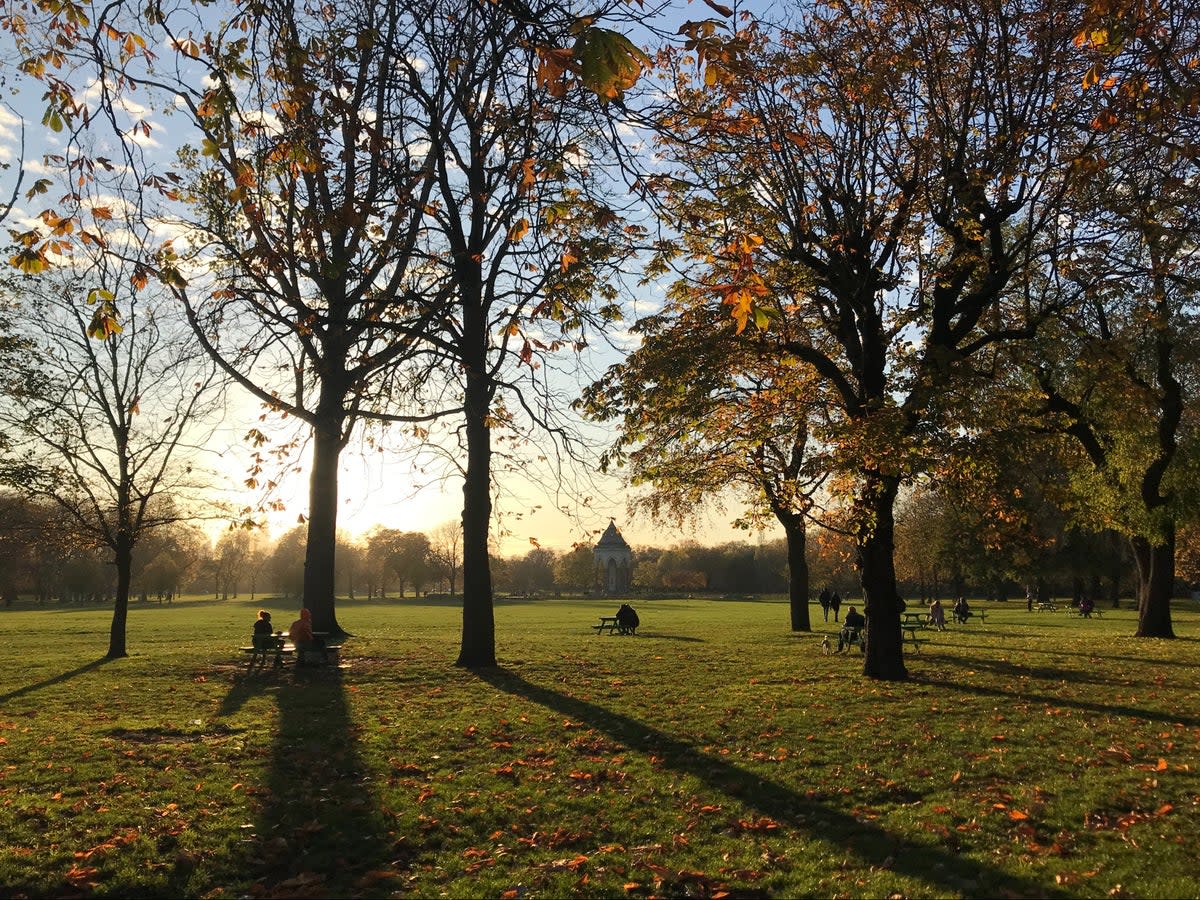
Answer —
57 679
1049 673
1016 669
1107 657
1107 709
937 866
320 829
657 636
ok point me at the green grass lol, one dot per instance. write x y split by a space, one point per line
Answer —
715 753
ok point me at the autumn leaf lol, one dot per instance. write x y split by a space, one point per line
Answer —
609 63
31 262
528 178
518 230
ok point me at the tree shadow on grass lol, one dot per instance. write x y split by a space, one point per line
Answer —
1143 660
659 636
939 867
1008 668
1107 709
57 679
320 831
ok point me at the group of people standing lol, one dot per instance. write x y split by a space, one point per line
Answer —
830 600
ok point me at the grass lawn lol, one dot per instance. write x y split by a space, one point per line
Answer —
714 754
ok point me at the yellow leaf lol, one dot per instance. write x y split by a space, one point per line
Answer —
519 230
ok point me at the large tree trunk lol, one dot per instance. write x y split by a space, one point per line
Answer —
793 529
877 569
1156 584
322 514
479 624
123 559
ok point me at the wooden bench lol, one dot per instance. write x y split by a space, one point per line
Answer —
979 614
610 624
857 636
258 655
1076 611
305 656
317 656
908 634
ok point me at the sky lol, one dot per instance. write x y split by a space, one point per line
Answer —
375 487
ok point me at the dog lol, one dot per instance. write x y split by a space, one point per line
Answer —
825 647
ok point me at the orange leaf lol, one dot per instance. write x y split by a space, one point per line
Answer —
1162 766
1017 816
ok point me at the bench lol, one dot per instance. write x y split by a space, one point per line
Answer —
909 633
610 624
317 656
1076 611
304 656
979 614
856 636
258 655
1049 605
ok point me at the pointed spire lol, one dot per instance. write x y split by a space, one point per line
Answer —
612 537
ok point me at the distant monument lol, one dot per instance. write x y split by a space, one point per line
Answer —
614 562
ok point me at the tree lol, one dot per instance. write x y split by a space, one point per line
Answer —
701 410
445 552
529 244
409 559
906 161
534 571
109 431
575 570
1125 400
286 564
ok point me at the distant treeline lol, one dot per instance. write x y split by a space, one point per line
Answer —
41 558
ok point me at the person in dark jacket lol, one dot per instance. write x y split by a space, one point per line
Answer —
627 619
851 629
264 638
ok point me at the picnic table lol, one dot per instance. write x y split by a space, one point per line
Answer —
908 633
1045 605
612 626
278 647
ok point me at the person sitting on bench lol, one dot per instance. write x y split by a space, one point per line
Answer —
627 619
962 612
264 639
302 636
852 625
